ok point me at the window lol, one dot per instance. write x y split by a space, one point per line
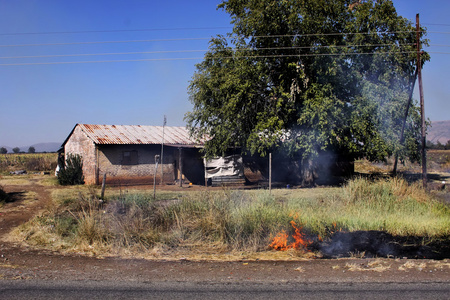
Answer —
130 157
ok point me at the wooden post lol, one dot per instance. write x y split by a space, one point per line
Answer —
97 166
162 151
422 105
270 173
154 176
103 187
206 179
180 166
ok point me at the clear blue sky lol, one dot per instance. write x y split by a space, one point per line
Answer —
42 103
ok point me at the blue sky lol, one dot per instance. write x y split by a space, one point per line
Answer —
42 103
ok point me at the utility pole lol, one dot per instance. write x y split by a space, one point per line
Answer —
162 151
422 105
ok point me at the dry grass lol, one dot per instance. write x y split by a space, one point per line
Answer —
373 266
412 265
226 224
28 161
10 180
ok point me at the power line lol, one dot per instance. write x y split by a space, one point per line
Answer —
141 30
440 32
208 38
101 54
431 24
192 51
198 58
112 31
105 42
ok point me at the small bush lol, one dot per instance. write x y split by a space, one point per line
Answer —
72 173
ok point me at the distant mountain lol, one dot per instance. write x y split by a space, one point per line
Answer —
40 147
439 131
46 147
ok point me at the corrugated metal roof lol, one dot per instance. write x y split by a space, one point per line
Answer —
138 134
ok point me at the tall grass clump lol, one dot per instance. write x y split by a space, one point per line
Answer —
232 219
214 221
393 205
254 221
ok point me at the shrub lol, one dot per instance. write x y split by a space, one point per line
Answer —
72 173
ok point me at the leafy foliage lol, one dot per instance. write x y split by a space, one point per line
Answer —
72 173
307 77
3 150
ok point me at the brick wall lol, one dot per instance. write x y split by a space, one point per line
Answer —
114 162
132 164
80 144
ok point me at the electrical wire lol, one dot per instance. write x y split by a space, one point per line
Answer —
199 58
431 24
101 54
106 42
112 31
206 38
142 30
189 51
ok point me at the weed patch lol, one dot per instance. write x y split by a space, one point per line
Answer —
386 215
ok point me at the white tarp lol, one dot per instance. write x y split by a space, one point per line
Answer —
224 166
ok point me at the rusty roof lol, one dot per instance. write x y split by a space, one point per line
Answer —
139 134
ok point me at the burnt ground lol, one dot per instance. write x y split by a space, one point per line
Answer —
18 262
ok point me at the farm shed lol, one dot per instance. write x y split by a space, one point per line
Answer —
126 153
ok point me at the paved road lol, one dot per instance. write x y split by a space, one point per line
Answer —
181 290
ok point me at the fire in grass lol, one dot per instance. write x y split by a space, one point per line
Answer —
282 242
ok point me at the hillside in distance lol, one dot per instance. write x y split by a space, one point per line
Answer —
439 131
40 147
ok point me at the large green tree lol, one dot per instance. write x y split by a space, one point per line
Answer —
308 76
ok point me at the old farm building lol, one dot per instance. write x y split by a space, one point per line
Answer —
126 153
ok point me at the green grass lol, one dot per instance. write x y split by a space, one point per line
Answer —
229 220
390 205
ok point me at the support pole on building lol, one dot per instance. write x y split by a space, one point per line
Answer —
162 151
270 173
422 104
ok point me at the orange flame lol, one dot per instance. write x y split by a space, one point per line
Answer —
280 241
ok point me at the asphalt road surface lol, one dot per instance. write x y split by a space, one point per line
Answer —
182 290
